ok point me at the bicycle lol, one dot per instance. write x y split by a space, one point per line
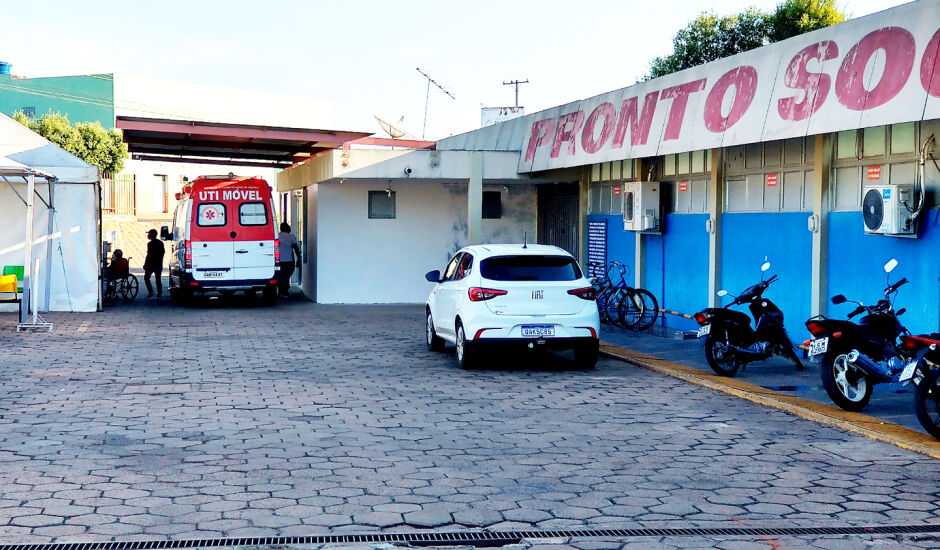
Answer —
622 305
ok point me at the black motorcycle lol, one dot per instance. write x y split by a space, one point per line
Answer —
731 343
856 356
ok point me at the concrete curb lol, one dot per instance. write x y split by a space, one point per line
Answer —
856 423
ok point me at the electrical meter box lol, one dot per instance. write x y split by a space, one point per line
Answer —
641 206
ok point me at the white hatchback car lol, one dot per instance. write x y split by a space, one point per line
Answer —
532 296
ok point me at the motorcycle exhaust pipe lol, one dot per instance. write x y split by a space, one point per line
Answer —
876 370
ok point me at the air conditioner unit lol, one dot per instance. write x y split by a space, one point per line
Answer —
888 209
641 206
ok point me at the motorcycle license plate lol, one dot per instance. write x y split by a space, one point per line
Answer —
908 371
819 346
704 331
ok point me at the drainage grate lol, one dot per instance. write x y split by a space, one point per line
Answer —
476 538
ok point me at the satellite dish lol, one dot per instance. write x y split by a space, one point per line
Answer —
392 131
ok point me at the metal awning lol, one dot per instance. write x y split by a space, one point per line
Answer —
172 140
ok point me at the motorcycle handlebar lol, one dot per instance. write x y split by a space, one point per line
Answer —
897 285
856 311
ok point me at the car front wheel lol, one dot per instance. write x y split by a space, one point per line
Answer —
435 342
466 355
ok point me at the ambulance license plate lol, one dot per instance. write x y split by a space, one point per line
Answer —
818 346
538 330
213 274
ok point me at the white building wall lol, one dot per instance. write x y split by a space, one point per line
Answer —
362 260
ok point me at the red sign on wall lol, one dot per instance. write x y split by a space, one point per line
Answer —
616 190
771 180
683 186
874 172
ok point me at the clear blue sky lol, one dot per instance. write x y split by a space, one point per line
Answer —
361 54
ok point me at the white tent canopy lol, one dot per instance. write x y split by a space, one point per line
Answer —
64 222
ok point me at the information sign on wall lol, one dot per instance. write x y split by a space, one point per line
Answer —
597 248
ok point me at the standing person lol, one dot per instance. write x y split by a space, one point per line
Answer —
153 263
288 248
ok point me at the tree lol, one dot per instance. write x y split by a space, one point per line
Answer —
795 17
88 141
709 36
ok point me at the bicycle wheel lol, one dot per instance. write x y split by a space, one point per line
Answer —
650 310
130 288
629 309
602 298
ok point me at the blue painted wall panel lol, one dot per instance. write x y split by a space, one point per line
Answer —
855 268
621 244
783 239
677 267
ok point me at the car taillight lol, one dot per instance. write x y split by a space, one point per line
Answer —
699 318
815 328
586 293
277 251
478 294
187 254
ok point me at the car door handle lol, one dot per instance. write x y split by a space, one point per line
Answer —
241 252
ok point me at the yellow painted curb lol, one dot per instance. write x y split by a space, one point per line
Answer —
856 423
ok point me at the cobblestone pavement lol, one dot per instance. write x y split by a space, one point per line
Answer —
233 419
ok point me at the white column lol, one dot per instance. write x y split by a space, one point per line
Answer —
714 198
28 249
50 227
822 165
475 199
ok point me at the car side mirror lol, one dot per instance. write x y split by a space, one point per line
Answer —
165 233
838 299
433 276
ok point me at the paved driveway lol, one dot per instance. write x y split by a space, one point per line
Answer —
234 420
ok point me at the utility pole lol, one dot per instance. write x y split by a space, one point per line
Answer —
516 83
427 96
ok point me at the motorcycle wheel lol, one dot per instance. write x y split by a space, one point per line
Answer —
847 385
725 366
927 402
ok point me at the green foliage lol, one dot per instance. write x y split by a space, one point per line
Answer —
710 36
795 17
88 141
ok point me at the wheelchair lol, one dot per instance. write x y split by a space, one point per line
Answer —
122 285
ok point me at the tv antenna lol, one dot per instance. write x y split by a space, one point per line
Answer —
516 83
428 96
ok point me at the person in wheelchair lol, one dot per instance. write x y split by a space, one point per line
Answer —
120 267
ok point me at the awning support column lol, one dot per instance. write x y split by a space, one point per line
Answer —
28 249
475 199
819 221
715 197
50 227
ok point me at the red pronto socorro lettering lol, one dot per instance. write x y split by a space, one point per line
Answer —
784 90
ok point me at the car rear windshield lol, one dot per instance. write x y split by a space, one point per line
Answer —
530 268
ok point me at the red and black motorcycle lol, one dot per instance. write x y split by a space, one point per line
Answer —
856 356
924 372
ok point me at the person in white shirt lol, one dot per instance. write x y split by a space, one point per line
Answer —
288 248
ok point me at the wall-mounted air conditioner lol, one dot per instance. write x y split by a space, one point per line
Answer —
889 209
641 206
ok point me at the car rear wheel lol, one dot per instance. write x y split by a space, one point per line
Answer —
466 355
585 355
435 342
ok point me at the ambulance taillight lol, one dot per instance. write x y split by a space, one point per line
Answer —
187 254
277 251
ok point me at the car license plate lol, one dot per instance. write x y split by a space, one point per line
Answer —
212 274
908 371
819 346
704 331
538 330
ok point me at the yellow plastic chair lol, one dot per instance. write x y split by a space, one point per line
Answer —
15 270
9 285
